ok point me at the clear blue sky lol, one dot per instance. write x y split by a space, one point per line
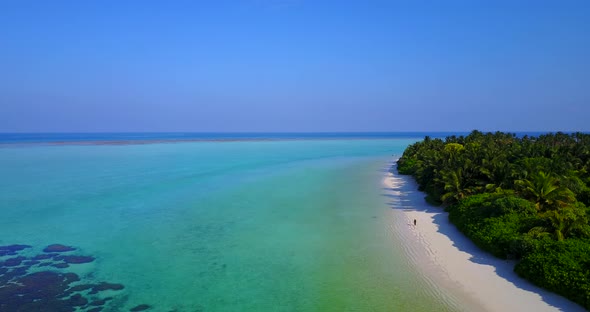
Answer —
78 66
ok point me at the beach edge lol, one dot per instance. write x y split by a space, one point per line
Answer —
454 261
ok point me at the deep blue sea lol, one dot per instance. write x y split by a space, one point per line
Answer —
152 137
132 137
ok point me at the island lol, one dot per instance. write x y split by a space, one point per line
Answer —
517 197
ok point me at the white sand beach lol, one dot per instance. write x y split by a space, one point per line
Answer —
453 262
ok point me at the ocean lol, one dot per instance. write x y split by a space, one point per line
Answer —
163 137
252 223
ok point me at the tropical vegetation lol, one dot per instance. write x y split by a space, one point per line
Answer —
518 197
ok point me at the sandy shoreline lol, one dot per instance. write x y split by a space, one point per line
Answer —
481 281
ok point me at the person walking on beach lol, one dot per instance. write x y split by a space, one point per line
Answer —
414 222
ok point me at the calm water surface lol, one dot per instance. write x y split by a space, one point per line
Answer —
209 226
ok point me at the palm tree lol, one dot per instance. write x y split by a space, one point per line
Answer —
565 220
498 173
545 191
453 182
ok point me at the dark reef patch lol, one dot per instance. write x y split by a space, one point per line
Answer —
100 302
105 286
141 307
75 259
58 248
81 287
43 256
31 262
11 262
39 282
12 250
60 265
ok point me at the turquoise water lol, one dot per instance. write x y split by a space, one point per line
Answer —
210 226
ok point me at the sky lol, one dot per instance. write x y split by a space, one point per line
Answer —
294 66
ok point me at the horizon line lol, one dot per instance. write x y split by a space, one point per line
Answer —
292 132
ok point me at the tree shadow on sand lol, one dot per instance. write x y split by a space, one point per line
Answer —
405 196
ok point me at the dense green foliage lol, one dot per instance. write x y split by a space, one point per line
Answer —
521 198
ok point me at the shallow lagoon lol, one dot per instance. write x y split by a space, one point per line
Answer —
219 226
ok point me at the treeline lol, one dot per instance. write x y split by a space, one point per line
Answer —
523 198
